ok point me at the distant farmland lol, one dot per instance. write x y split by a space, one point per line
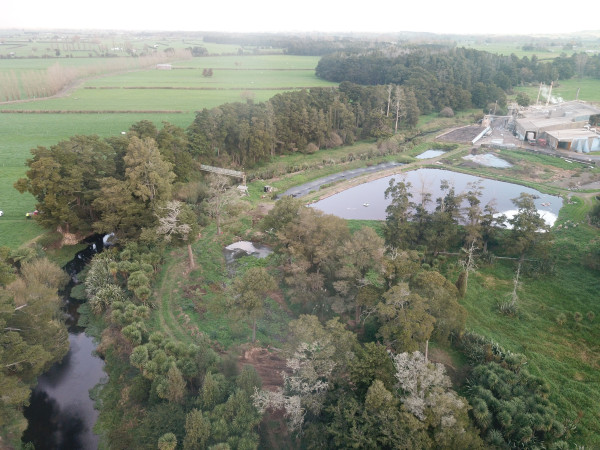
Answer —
109 104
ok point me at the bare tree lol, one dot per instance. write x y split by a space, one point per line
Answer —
221 195
178 224
398 96
468 265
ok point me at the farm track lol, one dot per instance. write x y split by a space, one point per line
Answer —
167 319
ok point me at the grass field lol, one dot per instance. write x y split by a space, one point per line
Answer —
259 77
141 100
589 90
545 51
567 355
508 49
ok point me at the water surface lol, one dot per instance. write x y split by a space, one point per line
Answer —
488 160
430 154
367 201
61 414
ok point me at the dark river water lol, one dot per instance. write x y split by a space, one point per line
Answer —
367 201
61 413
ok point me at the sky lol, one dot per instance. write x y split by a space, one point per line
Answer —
435 16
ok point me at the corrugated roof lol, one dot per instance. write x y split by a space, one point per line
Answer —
567 135
552 116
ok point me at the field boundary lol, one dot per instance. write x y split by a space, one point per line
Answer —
189 88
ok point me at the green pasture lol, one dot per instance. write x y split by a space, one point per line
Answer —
589 90
516 48
221 79
18 65
44 45
141 100
247 62
567 356
257 76
22 132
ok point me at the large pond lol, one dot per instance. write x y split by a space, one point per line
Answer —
367 201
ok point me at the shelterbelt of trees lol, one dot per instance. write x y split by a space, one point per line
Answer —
453 77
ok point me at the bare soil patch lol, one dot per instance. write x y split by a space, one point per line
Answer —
463 135
458 375
268 364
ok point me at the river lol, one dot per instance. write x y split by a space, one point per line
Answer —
61 414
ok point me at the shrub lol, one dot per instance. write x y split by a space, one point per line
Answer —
594 215
523 99
590 316
508 308
50 238
561 319
447 112
311 148
333 140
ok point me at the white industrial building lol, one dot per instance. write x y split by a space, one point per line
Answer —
563 126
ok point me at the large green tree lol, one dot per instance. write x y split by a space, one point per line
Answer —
398 229
249 293
361 266
65 180
529 230
128 205
311 243
405 322
441 297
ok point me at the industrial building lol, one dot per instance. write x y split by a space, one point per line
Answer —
561 126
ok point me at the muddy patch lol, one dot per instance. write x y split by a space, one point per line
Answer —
268 364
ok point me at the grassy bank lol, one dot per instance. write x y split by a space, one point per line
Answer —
556 326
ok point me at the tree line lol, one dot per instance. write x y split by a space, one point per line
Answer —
453 77
245 134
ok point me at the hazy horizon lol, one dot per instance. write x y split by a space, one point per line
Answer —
464 17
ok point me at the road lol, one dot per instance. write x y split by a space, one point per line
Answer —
312 186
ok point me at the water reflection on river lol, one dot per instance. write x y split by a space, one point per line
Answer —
61 414
367 201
